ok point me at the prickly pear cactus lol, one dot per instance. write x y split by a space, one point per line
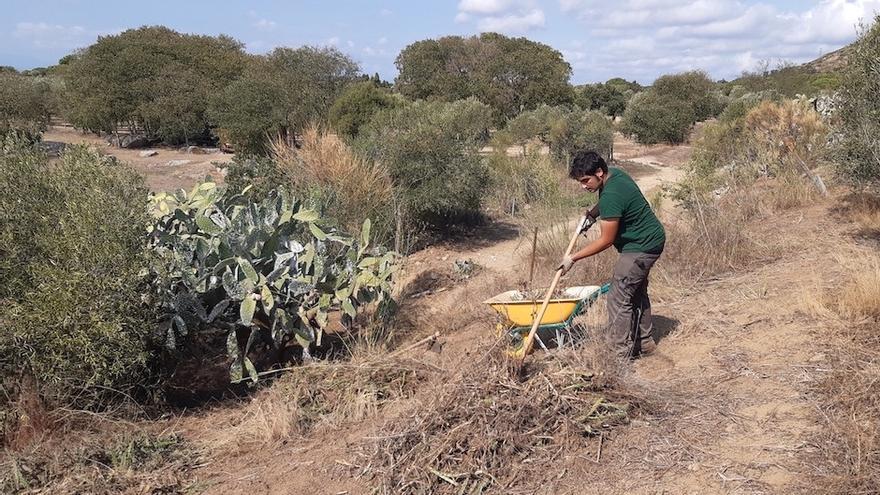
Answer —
265 264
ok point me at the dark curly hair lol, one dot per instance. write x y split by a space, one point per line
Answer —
586 162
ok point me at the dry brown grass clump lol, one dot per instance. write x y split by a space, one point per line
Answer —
318 396
864 210
486 430
706 241
101 463
352 188
848 460
856 300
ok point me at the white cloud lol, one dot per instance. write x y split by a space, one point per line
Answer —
645 38
382 40
334 41
375 52
265 24
503 16
385 12
45 35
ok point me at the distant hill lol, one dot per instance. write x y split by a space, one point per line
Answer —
830 62
811 78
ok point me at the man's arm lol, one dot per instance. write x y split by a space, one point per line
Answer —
608 231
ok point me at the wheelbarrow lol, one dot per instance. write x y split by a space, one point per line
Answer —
556 329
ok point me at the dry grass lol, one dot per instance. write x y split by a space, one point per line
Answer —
354 189
487 430
102 462
864 209
856 300
709 240
848 458
317 397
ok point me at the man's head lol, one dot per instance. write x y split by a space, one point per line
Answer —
588 168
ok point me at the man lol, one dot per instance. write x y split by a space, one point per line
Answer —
628 223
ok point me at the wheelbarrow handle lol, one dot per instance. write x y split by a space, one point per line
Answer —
527 346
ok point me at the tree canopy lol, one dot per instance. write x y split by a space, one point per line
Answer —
508 74
280 93
152 79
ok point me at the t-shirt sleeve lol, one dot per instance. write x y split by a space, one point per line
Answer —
610 205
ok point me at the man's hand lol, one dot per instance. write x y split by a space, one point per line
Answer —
566 264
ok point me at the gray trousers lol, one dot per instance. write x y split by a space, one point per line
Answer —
629 310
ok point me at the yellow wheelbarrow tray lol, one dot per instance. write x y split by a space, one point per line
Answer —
521 312
558 319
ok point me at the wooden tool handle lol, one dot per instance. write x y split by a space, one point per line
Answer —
527 345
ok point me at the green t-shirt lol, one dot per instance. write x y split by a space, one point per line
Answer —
639 230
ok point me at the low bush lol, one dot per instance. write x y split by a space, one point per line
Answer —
24 106
858 160
357 105
74 255
651 118
694 88
784 140
562 129
526 181
431 152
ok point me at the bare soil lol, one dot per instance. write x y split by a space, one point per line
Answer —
170 169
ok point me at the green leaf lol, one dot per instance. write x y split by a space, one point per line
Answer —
233 288
235 369
179 324
251 370
324 301
266 298
246 311
306 215
207 225
318 233
248 270
348 307
365 233
368 262
343 293
218 308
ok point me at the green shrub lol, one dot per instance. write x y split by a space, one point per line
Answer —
694 88
262 265
262 174
72 241
431 152
606 98
279 95
24 106
741 103
651 118
581 129
516 182
859 112
564 130
357 105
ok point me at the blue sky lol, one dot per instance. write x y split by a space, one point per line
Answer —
635 39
